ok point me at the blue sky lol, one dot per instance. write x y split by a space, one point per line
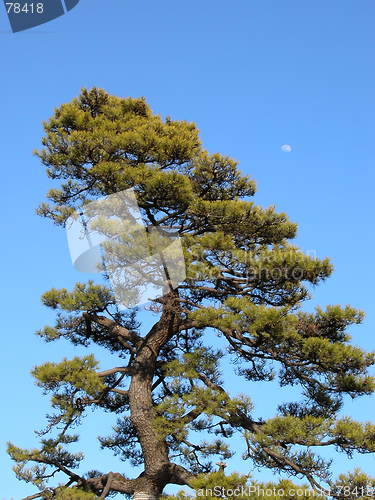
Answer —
253 75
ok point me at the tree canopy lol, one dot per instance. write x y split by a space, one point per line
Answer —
245 281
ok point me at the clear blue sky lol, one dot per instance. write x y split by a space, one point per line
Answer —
254 75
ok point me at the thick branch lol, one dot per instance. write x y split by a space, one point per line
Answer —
128 339
107 486
118 484
111 371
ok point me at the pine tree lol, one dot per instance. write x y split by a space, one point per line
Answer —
245 281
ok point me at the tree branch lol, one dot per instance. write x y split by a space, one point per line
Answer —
111 371
107 486
128 339
37 495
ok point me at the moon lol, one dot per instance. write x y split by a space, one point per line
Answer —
286 148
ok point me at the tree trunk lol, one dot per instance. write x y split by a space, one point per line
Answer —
154 447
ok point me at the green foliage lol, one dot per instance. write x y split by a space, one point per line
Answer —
98 139
79 373
51 455
73 494
354 485
84 297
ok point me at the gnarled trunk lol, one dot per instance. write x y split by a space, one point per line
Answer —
158 468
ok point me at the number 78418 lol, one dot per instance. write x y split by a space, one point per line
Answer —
17 8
